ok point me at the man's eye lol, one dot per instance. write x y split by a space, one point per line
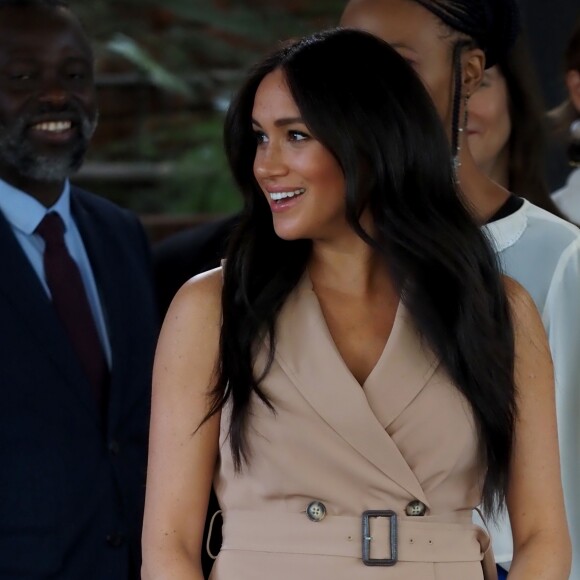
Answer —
78 74
20 76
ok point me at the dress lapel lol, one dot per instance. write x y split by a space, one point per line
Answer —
307 354
403 369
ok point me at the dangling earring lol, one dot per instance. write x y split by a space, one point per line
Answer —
574 144
460 130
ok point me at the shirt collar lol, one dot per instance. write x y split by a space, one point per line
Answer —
24 212
505 232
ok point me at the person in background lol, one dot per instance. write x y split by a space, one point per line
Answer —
506 128
566 119
357 356
535 247
77 320
505 135
185 254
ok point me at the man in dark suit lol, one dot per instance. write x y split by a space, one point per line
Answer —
74 398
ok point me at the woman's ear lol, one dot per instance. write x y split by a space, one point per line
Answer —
573 85
473 66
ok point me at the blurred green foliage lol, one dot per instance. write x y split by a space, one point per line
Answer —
175 65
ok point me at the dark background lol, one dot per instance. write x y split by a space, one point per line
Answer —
549 24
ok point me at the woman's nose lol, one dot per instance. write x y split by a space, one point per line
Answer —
269 162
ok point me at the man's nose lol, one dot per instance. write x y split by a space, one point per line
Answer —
53 92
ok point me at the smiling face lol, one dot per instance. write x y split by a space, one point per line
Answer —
301 179
489 125
48 105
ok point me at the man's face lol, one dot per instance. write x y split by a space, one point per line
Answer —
48 109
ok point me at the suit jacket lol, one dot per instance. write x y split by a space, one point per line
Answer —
187 253
72 488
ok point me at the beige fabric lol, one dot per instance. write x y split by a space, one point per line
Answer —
406 434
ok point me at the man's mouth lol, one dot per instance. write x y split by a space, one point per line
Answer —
53 126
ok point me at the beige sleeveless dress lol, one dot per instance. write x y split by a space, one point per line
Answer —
404 443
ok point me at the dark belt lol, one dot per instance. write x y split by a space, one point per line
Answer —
367 538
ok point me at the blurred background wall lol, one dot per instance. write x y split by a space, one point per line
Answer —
166 71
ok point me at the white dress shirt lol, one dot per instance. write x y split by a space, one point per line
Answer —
23 213
542 252
567 199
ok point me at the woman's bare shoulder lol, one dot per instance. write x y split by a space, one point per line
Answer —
199 298
527 319
521 303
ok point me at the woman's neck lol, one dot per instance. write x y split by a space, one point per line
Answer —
485 194
358 270
498 169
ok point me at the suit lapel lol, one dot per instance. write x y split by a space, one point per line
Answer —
25 294
307 354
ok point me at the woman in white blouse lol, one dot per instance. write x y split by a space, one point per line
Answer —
539 250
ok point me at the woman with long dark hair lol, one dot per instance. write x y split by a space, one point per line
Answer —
507 130
566 126
358 376
450 43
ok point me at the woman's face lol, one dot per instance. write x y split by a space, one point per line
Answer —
488 123
300 178
417 34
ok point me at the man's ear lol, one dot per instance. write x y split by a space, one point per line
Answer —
573 85
473 68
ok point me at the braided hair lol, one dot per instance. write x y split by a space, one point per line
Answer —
491 25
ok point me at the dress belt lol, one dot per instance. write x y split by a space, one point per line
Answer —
420 539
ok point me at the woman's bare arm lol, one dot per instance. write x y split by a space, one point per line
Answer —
535 500
181 463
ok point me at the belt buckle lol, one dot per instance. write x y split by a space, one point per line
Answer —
367 538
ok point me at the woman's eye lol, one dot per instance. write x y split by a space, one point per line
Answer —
260 137
297 135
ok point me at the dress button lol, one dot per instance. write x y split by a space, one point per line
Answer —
115 539
316 511
416 508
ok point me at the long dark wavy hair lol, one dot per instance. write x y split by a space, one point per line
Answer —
365 104
527 141
565 113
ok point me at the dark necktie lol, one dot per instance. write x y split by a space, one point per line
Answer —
71 304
